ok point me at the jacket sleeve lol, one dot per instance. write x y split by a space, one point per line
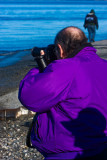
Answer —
96 22
85 23
40 91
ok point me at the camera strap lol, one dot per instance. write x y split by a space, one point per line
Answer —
28 137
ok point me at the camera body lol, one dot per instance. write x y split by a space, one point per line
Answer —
47 58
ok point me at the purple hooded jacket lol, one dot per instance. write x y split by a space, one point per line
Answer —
70 97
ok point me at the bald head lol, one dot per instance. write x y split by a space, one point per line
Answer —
70 38
75 33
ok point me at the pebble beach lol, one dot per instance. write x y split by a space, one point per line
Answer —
13 131
13 140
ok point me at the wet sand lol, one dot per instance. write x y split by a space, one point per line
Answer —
11 76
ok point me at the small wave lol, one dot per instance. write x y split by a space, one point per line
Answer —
7 53
39 18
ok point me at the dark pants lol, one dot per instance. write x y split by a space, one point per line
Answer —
91 33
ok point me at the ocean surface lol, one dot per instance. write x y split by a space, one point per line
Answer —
25 25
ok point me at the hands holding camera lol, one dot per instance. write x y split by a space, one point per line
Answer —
44 56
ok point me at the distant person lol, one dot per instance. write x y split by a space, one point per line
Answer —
91 23
70 98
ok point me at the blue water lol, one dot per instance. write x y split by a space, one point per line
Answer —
25 25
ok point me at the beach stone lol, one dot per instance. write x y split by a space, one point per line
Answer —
10 106
10 100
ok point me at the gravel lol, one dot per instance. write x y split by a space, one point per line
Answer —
13 140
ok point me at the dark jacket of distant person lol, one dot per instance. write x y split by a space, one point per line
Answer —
91 19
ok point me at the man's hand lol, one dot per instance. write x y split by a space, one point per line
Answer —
42 52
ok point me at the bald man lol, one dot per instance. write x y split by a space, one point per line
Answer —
70 98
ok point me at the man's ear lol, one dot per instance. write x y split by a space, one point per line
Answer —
61 51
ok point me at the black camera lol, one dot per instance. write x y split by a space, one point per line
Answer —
47 58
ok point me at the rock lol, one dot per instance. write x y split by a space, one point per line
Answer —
10 101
